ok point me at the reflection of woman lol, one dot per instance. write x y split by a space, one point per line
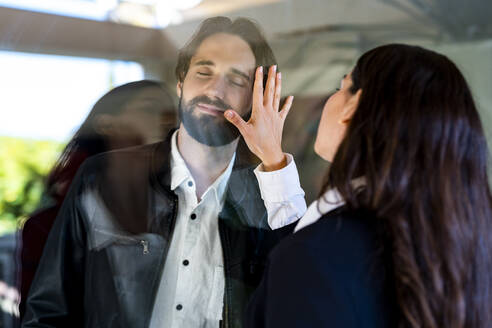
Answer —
401 235
132 114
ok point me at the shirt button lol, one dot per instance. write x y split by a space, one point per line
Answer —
179 307
190 184
193 216
186 262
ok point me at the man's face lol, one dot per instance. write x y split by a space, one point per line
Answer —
220 77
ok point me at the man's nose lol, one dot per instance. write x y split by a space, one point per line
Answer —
216 88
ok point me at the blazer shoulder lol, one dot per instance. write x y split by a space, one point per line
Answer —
341 239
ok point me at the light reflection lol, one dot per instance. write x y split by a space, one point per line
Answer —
145 13
9 299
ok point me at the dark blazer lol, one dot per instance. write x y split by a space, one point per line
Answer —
329 274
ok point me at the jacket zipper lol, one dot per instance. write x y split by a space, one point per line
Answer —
130 240
145 245
162 261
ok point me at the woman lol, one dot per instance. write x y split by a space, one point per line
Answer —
400 235
129 115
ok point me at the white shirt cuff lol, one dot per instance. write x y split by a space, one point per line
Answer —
280 185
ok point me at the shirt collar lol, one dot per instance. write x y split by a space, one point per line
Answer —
220 184
180 173
328 202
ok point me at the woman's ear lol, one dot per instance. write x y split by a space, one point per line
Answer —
104 124
350 107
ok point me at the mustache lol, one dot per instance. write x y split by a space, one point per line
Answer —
206 100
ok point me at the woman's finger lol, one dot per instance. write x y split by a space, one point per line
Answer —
270 86
258 90
236 120
278 90
286 107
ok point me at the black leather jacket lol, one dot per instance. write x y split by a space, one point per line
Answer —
103 260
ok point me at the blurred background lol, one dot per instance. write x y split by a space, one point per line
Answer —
57 57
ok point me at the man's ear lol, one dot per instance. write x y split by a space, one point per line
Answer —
350 107
179 88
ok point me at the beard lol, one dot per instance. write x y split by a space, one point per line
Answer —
213 131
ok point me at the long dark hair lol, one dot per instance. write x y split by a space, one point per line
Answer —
88 141
417 139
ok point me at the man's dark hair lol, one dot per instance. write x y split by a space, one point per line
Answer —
242 27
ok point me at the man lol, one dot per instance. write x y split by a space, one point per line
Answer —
174 234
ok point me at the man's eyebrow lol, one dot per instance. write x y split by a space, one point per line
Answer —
238 72
204 63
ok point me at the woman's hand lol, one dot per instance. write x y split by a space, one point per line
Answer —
263 131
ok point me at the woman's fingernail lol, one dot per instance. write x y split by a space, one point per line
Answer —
260 69
228 114
279 75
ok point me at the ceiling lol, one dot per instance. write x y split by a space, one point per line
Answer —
341 23
309 37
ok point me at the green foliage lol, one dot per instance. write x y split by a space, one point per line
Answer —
23 167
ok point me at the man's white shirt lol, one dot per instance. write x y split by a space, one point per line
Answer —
191 289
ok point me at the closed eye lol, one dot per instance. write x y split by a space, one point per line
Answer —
236 80
236 83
